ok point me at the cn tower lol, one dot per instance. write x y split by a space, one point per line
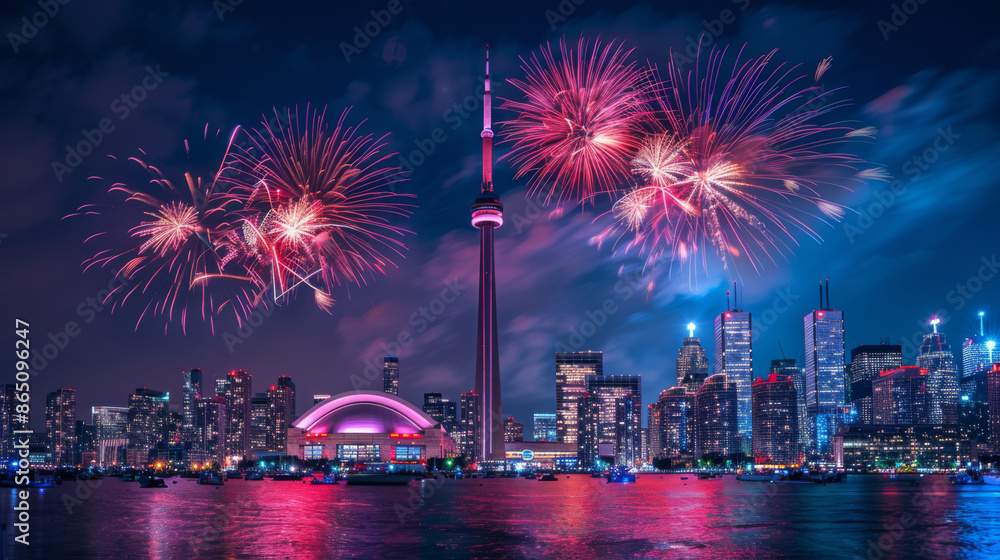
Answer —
487 215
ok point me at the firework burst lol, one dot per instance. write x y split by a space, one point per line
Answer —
577 127
319 205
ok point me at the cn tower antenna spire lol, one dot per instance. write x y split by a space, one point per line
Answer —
487 133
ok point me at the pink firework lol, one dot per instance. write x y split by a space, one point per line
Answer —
744 160
319 205
578 126
184 238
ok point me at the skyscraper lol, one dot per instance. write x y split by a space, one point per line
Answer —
487 215
237 395
787 367
588 412
868 361
993 397
148 413
734 358
210 420
672 424
513 431
900 397
824 342
692 363
190 391
775 421
260 428
60 427
390 375
544 427
7 426
281 413
442 410
942 377
572 369
111 431
320 398
619 416
716 417
467 441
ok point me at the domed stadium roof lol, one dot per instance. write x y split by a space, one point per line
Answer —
364 412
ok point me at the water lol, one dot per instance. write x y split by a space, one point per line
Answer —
575 517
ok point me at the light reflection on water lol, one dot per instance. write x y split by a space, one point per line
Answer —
576 517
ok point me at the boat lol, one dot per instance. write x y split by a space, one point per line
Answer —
620 475
325 479
966 480
38 481
211 478
128 477
598 475
991 479
707 476
234 474
684 478
755 476
379 478
255 475
548 477
530 476
150 481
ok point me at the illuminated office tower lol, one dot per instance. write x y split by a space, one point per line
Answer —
692 363
148 414
619 416
259 424
280 412
390 375
734 358
544 427
672 424
190 391
60 427
572 369
868 361
900 397
824 343
468 443
993 398
942 377
8 413
237 395
111 432
588 452
716 417
443 411
513 431
775 421
210 422
787 367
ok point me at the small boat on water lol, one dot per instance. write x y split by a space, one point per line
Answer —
684 478
128 477
286 477
150 481
620 475
530 476
255 475
35 480
233 474
548 477
755 476
991 479
707 476
320 478
211 478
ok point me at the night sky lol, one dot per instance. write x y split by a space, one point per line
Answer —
929 84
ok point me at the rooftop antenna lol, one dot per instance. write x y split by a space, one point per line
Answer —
934 323
727 300
782 350
828 294
981 323
736 298
690 327
821 294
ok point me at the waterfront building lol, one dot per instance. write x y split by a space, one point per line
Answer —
237 395
468 443
369 427
542 455
281 413
692 363
513 431
734 359
259 424
901 396
619 416
442 410
390 375
8 414
672 425
716 417
148 414
572 371
868 361
895 447
824 371
210 422
111 433
775 421
993 396
60 427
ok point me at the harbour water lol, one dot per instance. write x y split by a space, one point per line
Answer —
574 517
